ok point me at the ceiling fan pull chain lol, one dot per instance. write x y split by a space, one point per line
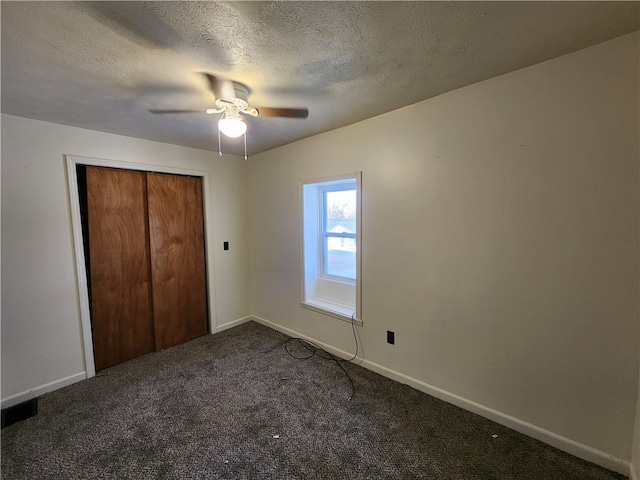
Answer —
245 145
219 147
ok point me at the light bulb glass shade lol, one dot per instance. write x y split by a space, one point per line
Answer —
232 127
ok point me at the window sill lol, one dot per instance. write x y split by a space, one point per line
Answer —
333 310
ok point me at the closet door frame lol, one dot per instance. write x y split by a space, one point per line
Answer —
72 162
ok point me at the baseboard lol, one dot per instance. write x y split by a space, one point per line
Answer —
42 389
233 323
562 443
63 382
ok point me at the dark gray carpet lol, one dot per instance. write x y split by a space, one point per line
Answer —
236 406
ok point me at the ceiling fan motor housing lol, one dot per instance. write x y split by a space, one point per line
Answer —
239 103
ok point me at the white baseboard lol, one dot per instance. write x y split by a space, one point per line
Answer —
562 443
233 323
42 389
63 382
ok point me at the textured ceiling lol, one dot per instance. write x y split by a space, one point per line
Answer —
103 65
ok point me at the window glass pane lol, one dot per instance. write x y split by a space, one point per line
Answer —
340 211
340 217
341 257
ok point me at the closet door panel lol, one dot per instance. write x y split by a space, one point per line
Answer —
121 310
177 257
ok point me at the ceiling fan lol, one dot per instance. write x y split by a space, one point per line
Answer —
231 100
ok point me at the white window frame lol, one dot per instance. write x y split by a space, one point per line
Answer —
336 296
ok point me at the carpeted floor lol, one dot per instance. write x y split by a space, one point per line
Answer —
236 406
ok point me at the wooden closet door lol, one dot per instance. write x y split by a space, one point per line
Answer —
177 258
121 311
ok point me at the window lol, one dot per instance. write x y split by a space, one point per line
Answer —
331 239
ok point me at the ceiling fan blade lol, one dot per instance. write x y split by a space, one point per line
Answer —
222 89
283 112
176 111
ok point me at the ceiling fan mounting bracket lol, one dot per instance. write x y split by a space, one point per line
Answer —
236 103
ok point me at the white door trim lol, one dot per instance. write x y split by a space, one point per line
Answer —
72 162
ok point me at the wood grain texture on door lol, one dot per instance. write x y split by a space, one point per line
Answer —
121 309
176 234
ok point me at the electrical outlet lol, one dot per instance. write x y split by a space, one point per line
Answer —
391 337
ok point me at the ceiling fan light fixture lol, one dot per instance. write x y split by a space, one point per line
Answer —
232 126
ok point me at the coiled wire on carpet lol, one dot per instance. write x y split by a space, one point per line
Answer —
315 350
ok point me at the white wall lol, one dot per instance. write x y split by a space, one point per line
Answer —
500 243
41 334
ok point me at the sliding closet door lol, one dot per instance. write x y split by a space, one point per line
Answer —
121 310
176 234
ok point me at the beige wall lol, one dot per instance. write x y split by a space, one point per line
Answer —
41 334
513 209
500 243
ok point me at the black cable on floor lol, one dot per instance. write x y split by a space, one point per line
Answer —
316 350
